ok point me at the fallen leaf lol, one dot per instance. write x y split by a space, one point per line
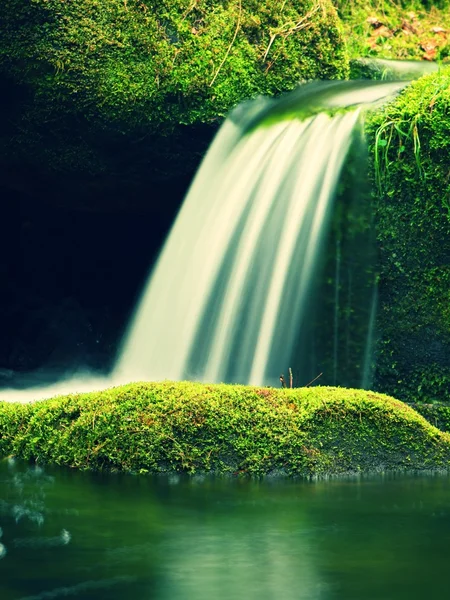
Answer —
431 49
438 30
382 31
374 21
408 27
428 45
430 54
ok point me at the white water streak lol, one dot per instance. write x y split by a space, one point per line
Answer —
165 327
292 168
270 185
321 165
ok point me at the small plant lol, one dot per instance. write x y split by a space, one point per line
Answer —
291 380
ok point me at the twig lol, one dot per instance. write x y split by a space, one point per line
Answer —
291 378
315 379
288 29
272 39
230 46
189 10
282 380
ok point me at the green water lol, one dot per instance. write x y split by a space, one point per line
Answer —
68 534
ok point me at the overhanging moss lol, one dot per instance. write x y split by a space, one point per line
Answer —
95 85
410 140
176 61
191 427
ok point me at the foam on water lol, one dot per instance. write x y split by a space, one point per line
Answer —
74 385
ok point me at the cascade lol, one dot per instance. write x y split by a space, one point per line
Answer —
234 282
240 285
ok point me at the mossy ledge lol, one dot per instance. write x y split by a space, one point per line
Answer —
410 150
104 95
243 430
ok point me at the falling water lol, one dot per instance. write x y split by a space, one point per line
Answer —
337 283
367 376
228 295
234 295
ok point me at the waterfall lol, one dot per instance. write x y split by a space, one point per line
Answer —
240 291
229 293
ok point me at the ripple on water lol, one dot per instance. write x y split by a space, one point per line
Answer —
85 586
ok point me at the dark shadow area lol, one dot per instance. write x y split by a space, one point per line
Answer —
70 280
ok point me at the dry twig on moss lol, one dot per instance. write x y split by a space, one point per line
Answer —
238 25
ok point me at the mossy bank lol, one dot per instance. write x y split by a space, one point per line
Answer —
190 427
410 143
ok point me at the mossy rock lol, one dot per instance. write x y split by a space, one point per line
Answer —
113 89
411 156
241 430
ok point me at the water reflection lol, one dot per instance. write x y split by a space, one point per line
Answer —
68 534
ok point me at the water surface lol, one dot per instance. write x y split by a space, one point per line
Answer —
90 536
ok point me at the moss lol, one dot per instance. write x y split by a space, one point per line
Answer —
411 156
90 81
437 414
397 29
191 427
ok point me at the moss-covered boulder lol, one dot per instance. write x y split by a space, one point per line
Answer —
410 139
110 90
193 427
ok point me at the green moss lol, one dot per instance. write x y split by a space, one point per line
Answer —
191 427
88 76
437 414
396 29
411 156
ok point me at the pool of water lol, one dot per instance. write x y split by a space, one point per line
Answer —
79 535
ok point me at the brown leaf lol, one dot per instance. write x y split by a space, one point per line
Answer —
408 27
374 21
382 31
430 54
429 45
438 30
431 49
